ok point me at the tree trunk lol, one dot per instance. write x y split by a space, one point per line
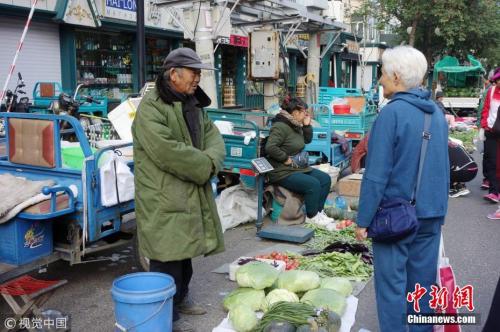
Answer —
413 31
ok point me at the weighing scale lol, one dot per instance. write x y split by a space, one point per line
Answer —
297 234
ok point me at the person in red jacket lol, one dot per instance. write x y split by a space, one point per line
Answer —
488 118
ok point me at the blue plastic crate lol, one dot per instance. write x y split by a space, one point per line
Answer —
326 95
100 108
355 122
23 241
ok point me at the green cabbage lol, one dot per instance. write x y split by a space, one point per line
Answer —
257 275
341 285
297 281
244 296
242 318
326 299
279 295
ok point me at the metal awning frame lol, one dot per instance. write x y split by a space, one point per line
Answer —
276 12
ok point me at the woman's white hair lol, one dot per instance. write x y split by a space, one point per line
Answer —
408 63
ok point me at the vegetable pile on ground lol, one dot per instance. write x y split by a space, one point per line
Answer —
467 138
291 263
323 237
292 301
337 264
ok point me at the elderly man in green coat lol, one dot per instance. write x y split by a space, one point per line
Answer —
177 150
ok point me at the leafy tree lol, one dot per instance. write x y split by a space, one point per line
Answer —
437 27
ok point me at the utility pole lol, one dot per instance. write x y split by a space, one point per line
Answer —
141 44
203 38
313 64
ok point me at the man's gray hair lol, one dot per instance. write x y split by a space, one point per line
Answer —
166 73
408 63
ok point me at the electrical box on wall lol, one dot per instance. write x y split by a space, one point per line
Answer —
263 55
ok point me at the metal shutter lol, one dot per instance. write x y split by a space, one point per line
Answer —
40 57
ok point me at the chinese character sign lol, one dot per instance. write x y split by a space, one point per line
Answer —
462 297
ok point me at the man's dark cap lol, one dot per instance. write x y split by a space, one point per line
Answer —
439 94
184 57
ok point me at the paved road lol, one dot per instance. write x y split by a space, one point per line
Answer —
472 243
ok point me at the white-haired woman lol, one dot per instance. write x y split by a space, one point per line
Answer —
391 172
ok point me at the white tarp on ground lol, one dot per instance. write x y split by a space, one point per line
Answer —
237 205
348 318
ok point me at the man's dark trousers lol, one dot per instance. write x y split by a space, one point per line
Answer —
181 271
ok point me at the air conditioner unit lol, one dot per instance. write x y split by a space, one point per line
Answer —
335 10
314 4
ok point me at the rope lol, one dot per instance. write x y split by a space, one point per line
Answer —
25 285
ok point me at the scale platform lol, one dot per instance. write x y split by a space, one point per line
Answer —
297 234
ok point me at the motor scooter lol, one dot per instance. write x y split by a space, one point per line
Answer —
12 104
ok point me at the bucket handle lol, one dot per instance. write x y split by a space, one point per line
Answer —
126 329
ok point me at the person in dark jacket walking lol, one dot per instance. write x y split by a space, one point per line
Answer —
391 172
290 132
177 150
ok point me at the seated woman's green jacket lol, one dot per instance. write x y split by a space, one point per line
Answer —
285 140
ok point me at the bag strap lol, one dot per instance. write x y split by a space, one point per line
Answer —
426 136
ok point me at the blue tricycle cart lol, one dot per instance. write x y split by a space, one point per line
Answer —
72 221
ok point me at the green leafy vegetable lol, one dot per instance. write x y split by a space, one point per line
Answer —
279 295
298 281
295 313
325 299
249 297
335 264
242 318
341 285
257 275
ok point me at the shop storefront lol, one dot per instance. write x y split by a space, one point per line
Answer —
99 46
233 88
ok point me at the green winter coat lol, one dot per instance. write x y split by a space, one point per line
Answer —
284 141
174 204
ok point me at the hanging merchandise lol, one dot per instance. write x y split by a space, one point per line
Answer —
229 93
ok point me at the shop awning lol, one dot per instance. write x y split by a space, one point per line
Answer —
450 64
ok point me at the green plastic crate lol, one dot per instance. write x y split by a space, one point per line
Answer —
72 157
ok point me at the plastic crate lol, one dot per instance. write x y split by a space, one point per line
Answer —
23 241
100 109
248 178
72 157
360 122
326 94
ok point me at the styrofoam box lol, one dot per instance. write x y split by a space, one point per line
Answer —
122 117
233 267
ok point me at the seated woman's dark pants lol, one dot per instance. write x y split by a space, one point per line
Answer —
314 186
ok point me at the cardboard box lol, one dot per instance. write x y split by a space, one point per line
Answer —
350 185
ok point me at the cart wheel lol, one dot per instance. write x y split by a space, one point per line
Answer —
141 259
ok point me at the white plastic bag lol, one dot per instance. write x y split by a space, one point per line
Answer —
113 182
237 205
481 135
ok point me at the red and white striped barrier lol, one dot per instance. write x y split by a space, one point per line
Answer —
19 46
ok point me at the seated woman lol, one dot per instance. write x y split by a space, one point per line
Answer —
290 132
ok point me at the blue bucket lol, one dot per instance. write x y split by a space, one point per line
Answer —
143 302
